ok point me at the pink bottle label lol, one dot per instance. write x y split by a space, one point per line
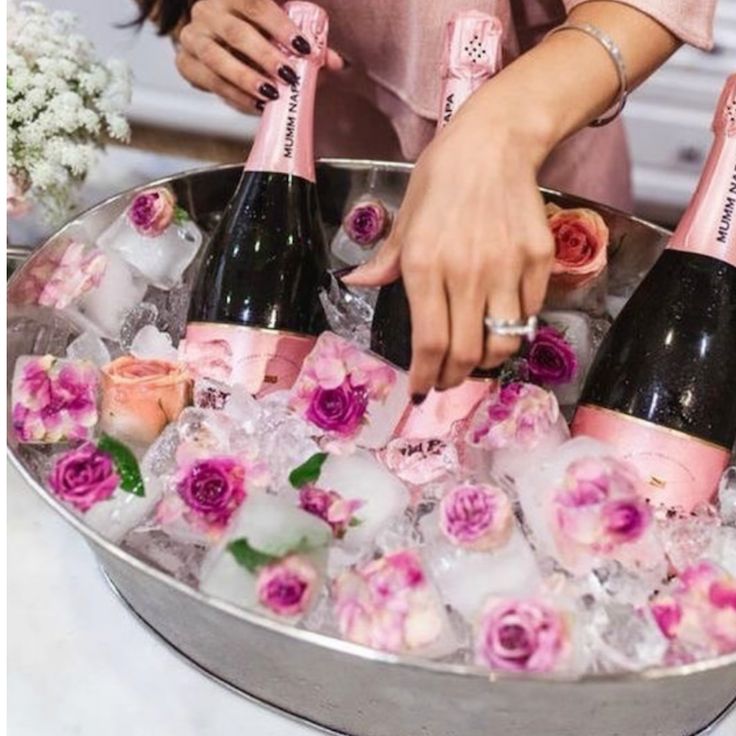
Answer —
285 140
681 470
472 54
708 226
262 361
435 416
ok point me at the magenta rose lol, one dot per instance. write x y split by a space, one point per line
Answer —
550 358
213 488
366 222
476 516
288 586
521 636
339 410
625 520
152 211
329 506
84 476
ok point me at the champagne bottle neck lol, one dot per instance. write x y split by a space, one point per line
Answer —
472 54
708 226
284 143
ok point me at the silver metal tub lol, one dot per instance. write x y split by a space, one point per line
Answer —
348 689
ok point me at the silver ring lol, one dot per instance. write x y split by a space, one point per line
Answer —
512 328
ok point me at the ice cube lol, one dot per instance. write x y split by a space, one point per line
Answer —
722 549
623 637
88 346
35 330
577 331
583 503
361 477
152 344
161 260
104 309
272 527
349 311
234 400
686 536
348 395
421 461
134 320
727 496
466 579
179 559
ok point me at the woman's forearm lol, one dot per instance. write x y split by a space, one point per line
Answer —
569 79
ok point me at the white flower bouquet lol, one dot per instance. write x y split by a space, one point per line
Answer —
62 103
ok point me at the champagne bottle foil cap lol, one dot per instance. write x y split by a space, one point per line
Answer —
314 24
724 120
472 45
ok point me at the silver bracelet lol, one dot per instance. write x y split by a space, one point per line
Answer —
618 60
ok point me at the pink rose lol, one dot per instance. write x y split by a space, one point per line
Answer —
53 400
18 204
287 587
522 636
550 359
388 604
329 506
140 397
581 240
336 384
84 476
366 222
600 507
212 489
514 415
476 516
420 461
698 613
152 211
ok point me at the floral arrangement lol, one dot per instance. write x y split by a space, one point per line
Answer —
62 102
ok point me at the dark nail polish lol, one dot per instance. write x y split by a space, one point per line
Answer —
417 399
260 105
268 90
288 74
338 273
301 45
440 389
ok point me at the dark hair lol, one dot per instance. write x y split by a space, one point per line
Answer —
168 14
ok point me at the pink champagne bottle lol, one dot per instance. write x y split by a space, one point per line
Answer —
255 310
662 387
472 55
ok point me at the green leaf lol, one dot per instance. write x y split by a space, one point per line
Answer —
355 521
180 215
309 471
247 557
125 464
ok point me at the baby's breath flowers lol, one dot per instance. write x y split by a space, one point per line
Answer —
62 102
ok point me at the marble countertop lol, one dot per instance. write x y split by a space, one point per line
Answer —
80 664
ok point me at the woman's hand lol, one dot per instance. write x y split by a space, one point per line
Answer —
471 239
231 48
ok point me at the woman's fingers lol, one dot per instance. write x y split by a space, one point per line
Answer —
222 63
429 327
382 269
503 306
200 76
266 14
466 300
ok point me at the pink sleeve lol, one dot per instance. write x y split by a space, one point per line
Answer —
690 20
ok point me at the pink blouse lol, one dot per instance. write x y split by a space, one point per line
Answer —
385 105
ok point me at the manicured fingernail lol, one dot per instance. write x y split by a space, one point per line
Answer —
268 90
260 105
288 74
417 399
440 389
301 45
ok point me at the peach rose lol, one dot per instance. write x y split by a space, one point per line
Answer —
581 240
140 397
